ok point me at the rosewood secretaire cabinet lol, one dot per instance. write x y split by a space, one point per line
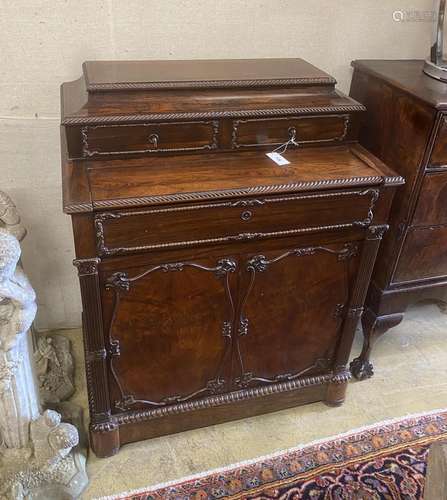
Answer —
406 127
215 283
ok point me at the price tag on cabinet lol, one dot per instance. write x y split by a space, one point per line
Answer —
278 159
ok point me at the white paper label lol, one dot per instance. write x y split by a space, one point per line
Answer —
278 159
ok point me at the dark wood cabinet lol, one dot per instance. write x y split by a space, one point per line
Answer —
216 284
405 126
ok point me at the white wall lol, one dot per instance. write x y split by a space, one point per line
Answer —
44 42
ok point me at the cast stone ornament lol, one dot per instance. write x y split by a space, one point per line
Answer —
9 217
54 361
37 460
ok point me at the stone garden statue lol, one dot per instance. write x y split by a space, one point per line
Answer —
37 459
52 352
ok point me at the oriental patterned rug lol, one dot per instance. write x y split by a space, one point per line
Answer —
383 461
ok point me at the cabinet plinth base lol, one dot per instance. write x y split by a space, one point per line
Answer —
336 393
105 439
135 426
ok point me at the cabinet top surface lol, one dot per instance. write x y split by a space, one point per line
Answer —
162 180
138 91
117 75
408 76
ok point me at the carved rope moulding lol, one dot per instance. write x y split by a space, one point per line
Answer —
213 195
97 87
87 120
234 193
222 399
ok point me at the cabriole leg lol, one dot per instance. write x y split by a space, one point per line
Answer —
373 328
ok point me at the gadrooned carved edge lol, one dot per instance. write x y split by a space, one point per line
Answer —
232 397
87 267
86 120
199 84
78 208
396 180
342 377
210 195
109 425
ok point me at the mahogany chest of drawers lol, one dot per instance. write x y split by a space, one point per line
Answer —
215 283
406 127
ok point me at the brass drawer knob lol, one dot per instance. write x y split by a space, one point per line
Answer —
153 140
246 215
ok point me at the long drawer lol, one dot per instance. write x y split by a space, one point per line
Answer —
431 208
112 140
424 255
121 232
303 130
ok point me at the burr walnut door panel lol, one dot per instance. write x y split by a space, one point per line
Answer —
170 331
291 312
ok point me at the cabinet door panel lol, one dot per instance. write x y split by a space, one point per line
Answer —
173 324
287 326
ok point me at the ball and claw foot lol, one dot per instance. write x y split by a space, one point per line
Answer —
362 369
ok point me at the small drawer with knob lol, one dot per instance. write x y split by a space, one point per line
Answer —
148 138
301 130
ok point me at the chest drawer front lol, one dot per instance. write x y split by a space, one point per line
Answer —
240 220
432 205
439 153
277 131
105 140
424 255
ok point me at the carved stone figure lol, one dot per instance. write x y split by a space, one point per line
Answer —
10 218
48 469
37 459
18 395
55 368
